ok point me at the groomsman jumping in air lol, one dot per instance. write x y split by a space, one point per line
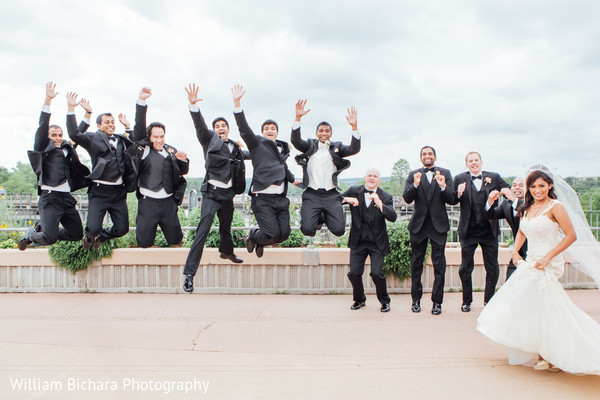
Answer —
59 172
270 179
112 176
472 190
225 177
431 188
322 161
161 186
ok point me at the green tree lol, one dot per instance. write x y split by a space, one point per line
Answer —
21 179
399 174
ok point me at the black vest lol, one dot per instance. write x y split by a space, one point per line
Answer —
478 200
115 167
367 217
156 172
55 168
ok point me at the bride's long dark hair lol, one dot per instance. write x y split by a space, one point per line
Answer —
534 176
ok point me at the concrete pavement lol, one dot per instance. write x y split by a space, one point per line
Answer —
158 346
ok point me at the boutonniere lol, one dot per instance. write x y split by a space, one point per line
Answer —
488 180
240 144
170 150
328 143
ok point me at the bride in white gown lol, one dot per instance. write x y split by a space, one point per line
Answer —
531 314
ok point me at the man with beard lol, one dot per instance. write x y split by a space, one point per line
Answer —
161 185
431 188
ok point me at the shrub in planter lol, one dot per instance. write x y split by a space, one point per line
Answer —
398 259
296 239
71 256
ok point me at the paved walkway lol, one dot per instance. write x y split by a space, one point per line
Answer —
139 346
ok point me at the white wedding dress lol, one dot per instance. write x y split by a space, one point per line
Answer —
532 314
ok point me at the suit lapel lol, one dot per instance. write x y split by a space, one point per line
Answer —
104 138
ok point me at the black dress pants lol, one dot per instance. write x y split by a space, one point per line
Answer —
155 212
485 238
358 255
57 207
327 202
211 205
272 213
111 199
418 242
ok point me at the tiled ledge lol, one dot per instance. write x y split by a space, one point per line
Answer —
160 270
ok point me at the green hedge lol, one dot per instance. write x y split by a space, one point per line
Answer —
71 256
398 259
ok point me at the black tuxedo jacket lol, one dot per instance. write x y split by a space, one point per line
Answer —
101 152
429 197
220 163
141 141
505 211
43 146
491 181
269 164
337 150
378 225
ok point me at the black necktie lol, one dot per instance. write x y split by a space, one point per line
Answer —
473 177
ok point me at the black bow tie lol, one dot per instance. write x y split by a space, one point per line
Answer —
369 191
473 177
432 169
113 139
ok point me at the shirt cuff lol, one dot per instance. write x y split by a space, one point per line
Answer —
87 121
487 206
237 110
296 125
194 107
46 109
71 113
356 134
442 188
141 102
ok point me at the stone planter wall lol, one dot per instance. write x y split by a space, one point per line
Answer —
160 270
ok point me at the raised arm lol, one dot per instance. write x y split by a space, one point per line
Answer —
139 129
492 212
386 207
411 187
202 132
41 135
354 146
246 132
296 138
74 133
445 180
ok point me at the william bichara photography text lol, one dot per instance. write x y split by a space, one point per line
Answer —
120 385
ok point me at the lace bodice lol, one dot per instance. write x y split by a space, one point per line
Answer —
542 235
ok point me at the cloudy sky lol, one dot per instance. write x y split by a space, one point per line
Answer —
516 80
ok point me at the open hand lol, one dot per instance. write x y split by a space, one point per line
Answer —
352 118
300 109
123 120
50 90
192 91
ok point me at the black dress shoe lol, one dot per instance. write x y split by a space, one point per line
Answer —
188 285
437 308
465 307
385 307
232 257
26 239
260 250
250 245
416 306
356 305
87 242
